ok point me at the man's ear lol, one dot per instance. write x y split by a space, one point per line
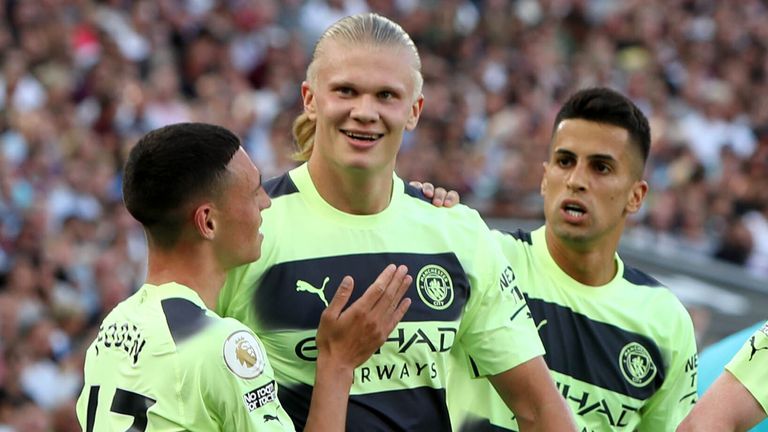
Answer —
636 196
204 221
308 98
543 187
416 108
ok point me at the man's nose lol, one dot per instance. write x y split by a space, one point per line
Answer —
365 109
577 178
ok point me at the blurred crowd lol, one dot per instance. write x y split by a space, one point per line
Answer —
81 80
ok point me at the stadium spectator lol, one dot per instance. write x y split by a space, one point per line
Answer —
493 78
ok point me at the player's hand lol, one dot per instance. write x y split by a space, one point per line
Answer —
440 197
348 338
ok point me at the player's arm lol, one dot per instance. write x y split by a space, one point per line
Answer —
529 392
347 338
503 344
440 197
726 406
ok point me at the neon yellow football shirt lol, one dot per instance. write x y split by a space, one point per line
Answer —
622 355
750 366
462 300
163 362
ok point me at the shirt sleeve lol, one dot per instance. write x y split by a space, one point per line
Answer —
750 366
677 395
240 388
497 331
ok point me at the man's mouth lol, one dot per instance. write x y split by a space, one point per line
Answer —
574 210
362 136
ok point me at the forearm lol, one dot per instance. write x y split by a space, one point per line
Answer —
703 424
330 396
529 392
551 415
717 420
726 406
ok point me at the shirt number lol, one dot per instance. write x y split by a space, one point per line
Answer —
123 402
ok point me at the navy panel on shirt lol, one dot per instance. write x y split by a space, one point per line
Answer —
416 193
391 411
279 186
294 294
481 425
520 235
184 318
591 350
638 277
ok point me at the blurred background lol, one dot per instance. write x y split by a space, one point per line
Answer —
82 80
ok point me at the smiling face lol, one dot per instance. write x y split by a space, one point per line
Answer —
361 99
591 182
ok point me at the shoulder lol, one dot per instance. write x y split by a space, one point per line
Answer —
228 347
752 375
638 277
185 319
758 338
660 304
416 193
644 288
415 204
519 246
518 237
197 331
280 186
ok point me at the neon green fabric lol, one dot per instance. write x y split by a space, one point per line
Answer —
749 366
461 293
163 362
623 355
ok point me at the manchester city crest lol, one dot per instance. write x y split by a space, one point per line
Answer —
636 364
435 287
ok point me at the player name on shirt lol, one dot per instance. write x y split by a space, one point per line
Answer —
125 337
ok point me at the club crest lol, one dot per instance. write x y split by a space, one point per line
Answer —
435 287
636 364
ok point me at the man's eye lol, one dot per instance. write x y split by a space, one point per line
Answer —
386 95
602 168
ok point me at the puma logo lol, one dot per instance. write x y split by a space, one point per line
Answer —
308 287
541 324
269 417
754 350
